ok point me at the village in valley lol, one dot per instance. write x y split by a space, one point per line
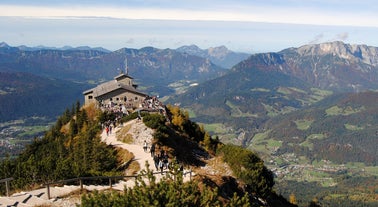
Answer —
14 135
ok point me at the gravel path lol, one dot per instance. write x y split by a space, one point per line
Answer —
140 133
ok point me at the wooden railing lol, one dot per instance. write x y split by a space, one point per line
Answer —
109 178
6 181
81 179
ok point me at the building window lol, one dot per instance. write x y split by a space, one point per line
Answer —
90 97
111 99
136 97
125 99
117 99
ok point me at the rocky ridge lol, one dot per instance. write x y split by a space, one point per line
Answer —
332 66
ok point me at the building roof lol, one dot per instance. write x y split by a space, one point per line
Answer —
122 75
110 86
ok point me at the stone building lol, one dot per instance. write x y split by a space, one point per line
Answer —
120 92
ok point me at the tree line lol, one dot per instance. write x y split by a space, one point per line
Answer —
71 148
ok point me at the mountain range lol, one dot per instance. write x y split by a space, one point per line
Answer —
156 68
334 65
257 88
310 112
299 106
268 84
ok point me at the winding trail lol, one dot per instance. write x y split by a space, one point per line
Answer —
139 132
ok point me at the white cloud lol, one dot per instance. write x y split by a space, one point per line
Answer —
241 26
342 36
317 39
268 14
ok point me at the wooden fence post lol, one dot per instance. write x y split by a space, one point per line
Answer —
110 182
48 191
6 181
7 187
81 184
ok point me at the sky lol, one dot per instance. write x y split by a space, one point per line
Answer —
250 26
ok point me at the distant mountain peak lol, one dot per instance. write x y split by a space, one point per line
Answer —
355 53
3 44
333 65
219 52
220 55
194 47
64 48
192 50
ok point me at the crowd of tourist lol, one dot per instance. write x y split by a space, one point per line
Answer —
151 104
148 104
161 158
114 108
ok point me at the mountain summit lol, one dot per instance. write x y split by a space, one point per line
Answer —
221 55
3 44
354 53
332 66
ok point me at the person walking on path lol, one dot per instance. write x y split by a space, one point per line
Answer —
152 150
107 131
156 162
145 146
161 166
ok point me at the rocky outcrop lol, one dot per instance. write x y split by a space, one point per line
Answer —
333 66
353 53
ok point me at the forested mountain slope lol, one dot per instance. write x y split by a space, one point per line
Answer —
342 128
270 84
241 101
310 112
24 95
72 148
328 148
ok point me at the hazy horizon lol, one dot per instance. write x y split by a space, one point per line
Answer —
241 26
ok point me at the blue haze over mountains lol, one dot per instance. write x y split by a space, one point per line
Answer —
331 66
331 85
154 69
